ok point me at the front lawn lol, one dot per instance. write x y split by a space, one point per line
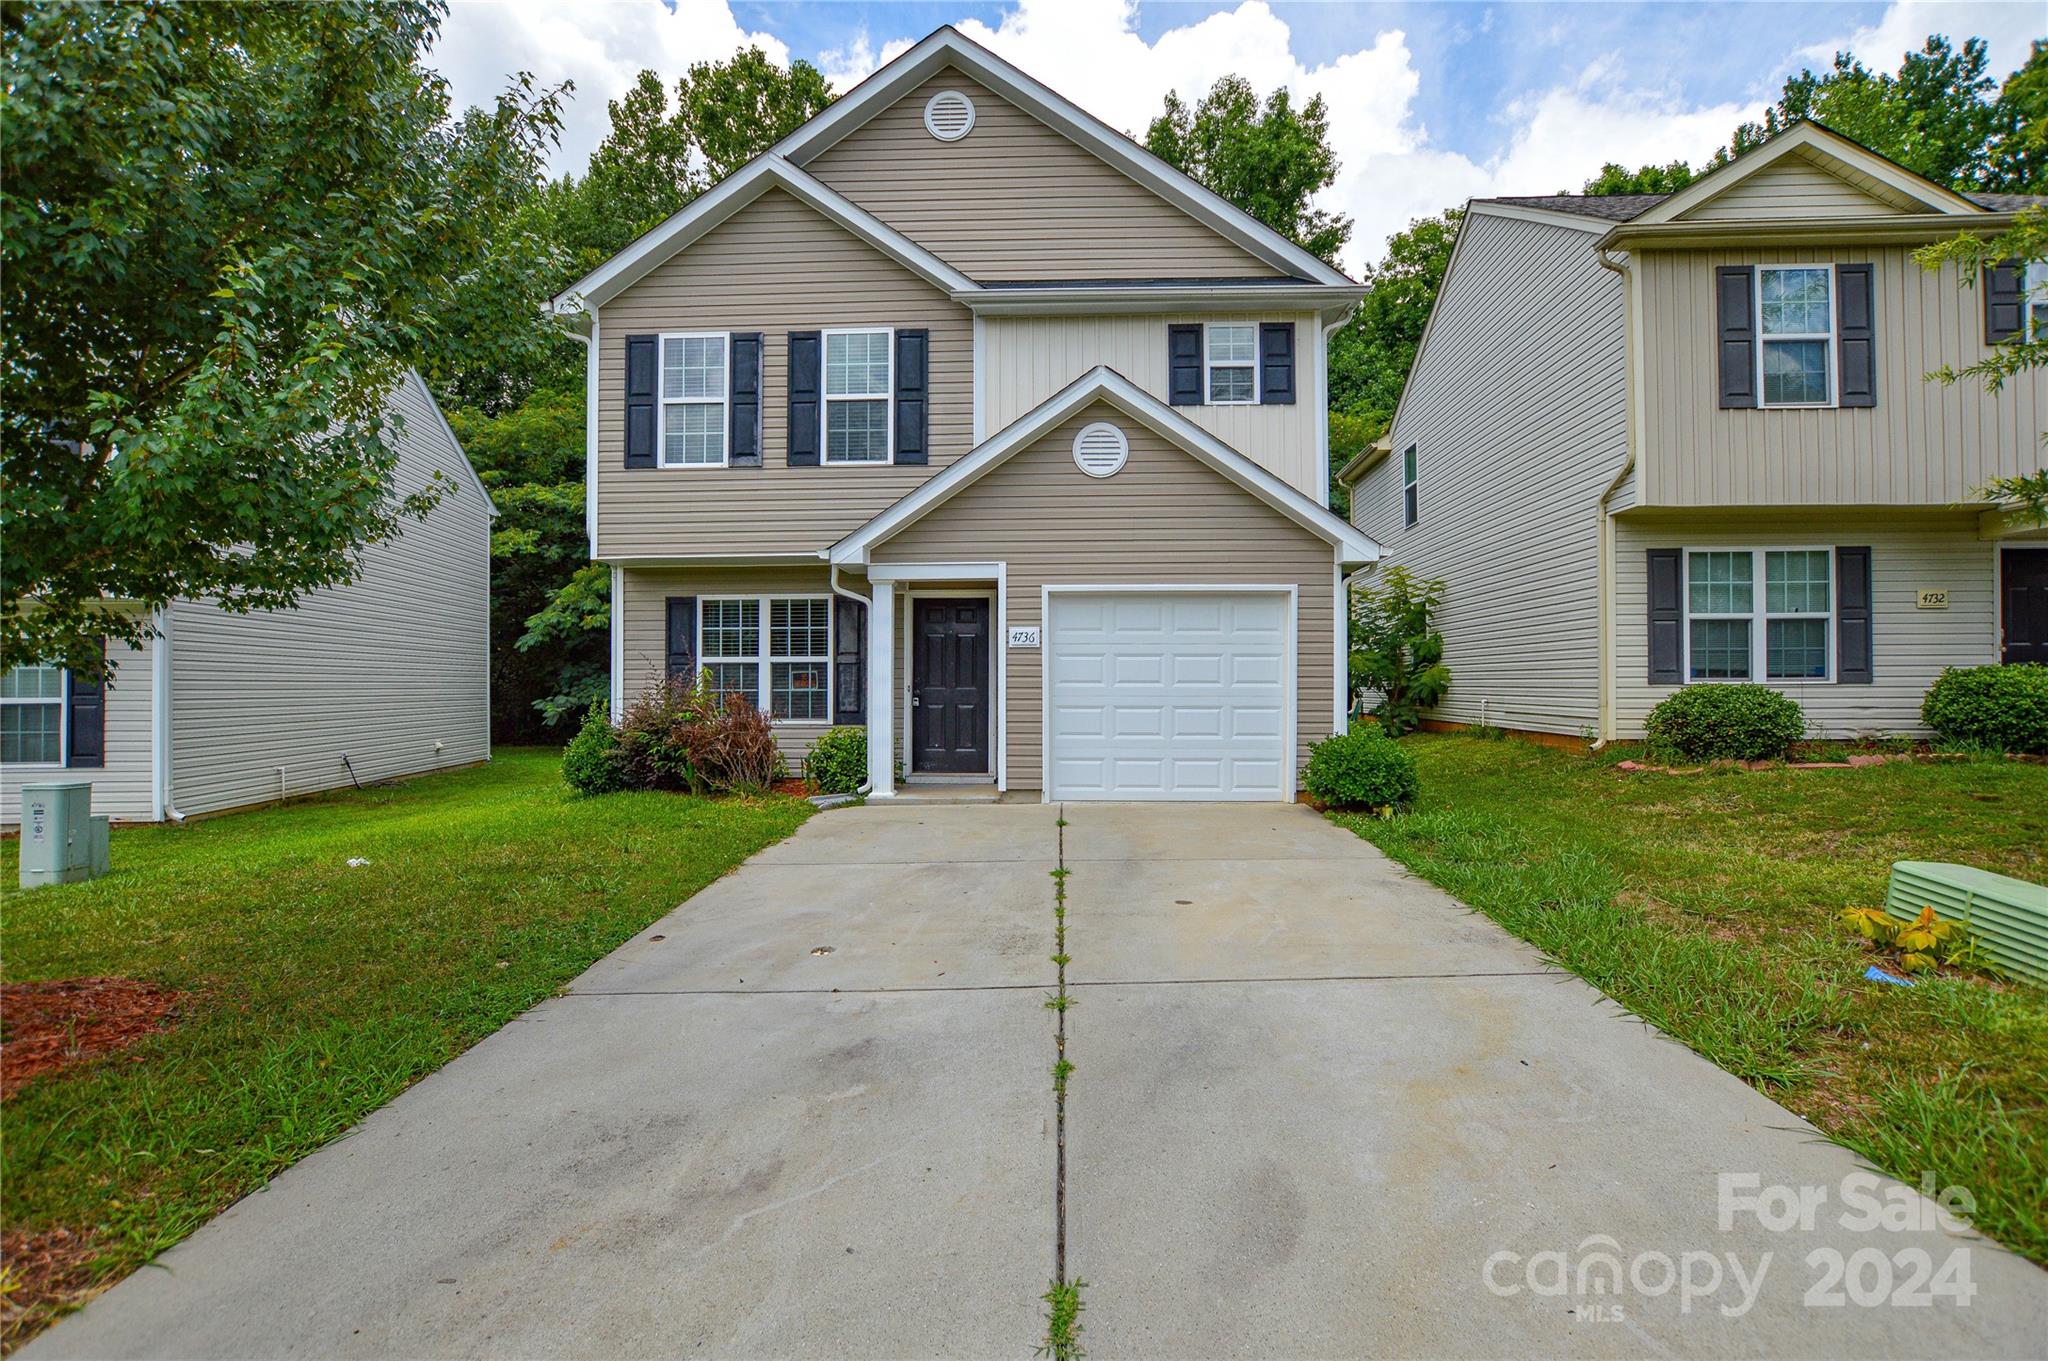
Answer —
1706 904
314 991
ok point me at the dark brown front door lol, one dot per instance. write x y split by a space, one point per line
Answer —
949 686
2024 608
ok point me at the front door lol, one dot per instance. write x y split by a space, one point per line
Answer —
2024 608
949 686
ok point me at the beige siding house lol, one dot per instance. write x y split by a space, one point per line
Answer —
386 676
1653 441
959 417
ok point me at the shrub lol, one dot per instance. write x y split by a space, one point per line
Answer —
1396 649
1363 768
730 748
654 747
593 763
2004 707
1726 723
838 764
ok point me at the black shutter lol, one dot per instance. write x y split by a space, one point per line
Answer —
913 380
1276 363
1735 314
643 372
682 637
1852 616
1667 617
2004 300
1184 365
85 714
746 400
1856 336
804 407
849 661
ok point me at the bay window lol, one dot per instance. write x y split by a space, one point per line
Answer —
1762 614
774 651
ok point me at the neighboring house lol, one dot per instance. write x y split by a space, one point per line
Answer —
1651 441
960 416
386 676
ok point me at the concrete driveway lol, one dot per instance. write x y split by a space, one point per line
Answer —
1319 1109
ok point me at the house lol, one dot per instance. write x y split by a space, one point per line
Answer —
959 416
386 676
1658 440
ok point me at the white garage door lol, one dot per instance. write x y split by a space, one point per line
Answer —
1158 695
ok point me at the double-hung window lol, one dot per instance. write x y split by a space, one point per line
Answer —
1232 360
1409 506
693 400
784 668
1764 614
1796 316
32 716
859 372
2035 281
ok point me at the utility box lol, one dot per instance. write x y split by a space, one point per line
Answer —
61 841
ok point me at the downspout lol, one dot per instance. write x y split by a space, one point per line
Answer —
160 721
1323 382
864 602
1628 465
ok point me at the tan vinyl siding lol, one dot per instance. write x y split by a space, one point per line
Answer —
120 789
1517 409
644 618
775 267
1922 444
1909 645
392 670
1791 187
1028 359
1016 200
1165 518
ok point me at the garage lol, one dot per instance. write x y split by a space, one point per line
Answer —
1169 694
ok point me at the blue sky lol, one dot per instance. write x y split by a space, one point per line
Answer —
1430 103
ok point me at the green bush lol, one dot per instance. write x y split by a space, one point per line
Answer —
1363 768
2002 707
838 764
593 763
1726 723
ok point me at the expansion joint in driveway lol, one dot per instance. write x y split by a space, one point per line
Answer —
1063 1298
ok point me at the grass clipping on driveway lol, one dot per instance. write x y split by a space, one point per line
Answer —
314 990
1706 904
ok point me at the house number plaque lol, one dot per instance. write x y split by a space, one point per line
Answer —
1024 637
1933 600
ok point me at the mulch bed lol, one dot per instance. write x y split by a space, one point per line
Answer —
48 1026
47 1271
796 789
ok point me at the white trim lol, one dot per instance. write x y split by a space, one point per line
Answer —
63 703
997 645
1179 296
1290 681
764 651
881 697
1832 337
825 398
160 713
1209 364
1759 616
1549 217
935 571
1825 144
618 695
590 391
1340 635
663 401
1411 482
980 392
1105 384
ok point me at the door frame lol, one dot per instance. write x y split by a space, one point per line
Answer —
1998 549
1290 664
995 671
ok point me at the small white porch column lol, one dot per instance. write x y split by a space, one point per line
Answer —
882 691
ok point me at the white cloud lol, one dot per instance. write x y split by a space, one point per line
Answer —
2006 28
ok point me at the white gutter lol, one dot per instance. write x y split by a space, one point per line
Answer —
1322 358
160 805
861 791
1605 650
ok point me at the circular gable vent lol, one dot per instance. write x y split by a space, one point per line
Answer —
949 115
1101 449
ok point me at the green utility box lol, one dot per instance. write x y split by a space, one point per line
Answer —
2008 917
61 841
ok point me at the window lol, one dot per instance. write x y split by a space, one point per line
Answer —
693 394
1408 503
858 374
784 669
1796 315
1744 605
32 716
2035 284
1233 352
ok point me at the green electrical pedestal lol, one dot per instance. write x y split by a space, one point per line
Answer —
61 841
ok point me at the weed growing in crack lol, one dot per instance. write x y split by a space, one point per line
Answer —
1061 1071
1059 1001
1063 1321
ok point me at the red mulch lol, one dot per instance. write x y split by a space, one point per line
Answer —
52 1025
795 788
46 1272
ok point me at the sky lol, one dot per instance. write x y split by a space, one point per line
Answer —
1430 104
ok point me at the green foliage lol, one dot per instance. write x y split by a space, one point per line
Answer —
1726 723
1268 160
2001 708
1351 434
2019 148
1063 1321
1396 649
683 735
1371 354
1917 946
838 763
225 230
1649 179
1363 768
592 763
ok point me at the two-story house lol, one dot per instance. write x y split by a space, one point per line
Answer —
959 416
1661 440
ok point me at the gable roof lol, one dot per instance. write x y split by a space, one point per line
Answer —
1105 384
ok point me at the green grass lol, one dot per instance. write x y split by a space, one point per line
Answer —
1706 904
320 991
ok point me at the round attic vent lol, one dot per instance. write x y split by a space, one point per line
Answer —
1101 449
949 115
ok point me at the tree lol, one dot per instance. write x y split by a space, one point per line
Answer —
1370 357
1270 161
1396 648
224 232
1649 179
2019 149
738 108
